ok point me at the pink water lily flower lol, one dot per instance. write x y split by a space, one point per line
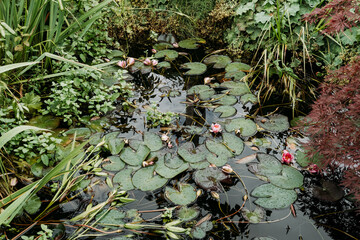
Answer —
130 61
147 61
313 168
121 64
154 62
215 128
287 157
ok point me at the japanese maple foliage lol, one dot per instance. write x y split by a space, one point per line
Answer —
338 15
334 128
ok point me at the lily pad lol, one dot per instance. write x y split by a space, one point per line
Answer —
274 123
192 43
115 164
237 76
173 162
253 216
116 145
200 165
236 88
135 157
145 180
222 153
272 197
32 205
290 178
220 61
226 111
193 129
237 66
245 127
169 55
191 154
199 232
184 195
196 68
209 178
224 99
153 141
139 66
203 91
47 121
113 216
164 64
268 166
249 97
187 213
123 178
168 172
233 142
328 192
162 46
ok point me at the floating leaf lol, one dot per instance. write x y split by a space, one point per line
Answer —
116 145
199 232
203 91
196 68
80 132
113 216
236 88
235 75
153 141
209 178
193 129
191 154
184 195
268 166
192 43
221 61
249 97
96 138
123 178
115 164
168 172
47 121
272 197
164 64
233 142
226 111
253 216
328 192
145 180
162 46
187 213
115 54
169 55
139 66
246 159
237 67
222 153
224 99
173 162
246 127
290 178
135 158
32 205
200 165
274 123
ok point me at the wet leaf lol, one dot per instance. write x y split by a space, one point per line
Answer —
268 166
196 68
169 55
116 145
221 152
273 123
204 92
209 178
192 43
162 46
272 197
226 111
114 163
145 180
123 178
236 88
80 132
200 165
246 127
139 66
153 141
223 99
191 154
32 205
219 61
134 158
199 231
290 178
249 97
233 142
187 213
237 66
328 192
113 216
184 195
253 216
164 64
247 159
163 170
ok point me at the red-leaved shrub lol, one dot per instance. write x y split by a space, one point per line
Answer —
338 15
333 125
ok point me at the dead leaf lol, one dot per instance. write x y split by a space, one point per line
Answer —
246 159
255 148
13 181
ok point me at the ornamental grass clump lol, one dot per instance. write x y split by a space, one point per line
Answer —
333 125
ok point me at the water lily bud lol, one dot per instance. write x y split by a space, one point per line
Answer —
208 80
175 45
147 61
245 197
154 62
215 195
215 128
287 157
130 61
164 137
170 145
227 169
153 51
199 192
212 165
121 64
313 169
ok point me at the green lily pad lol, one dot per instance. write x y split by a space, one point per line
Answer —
173 162
32 205
168 172
191 154
290 178
187 213
145 180
123 178
220 61
96 138
245 127
153 141
164 64
192 43
200 165
162 46
193 129
199 232
253 216
115 54
169 55
135 144
203 91
221 152
47 121
223 99
237 67
209 178
139 66
196 68
274 123
237 76
236 88
113 216
115 164
112 135
226 111
184 195
135 158
272 197
116 145
249 97
233 142
269 165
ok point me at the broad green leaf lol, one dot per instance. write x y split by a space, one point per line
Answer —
224 99
113 163
196 68
226 111
191 154
32 205
168 172
236 88
164 64
219 153
123 178
249 97
192 43
219 61
204 92
290 178
162 46
253 216
200 165
113 216
234 143
153 141
274 123
237 67
134 158
169 55
116 145
183 195
245 127
47 121
145 180
209 178
187 213
268 166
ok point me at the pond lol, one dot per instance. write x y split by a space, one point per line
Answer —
165 166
